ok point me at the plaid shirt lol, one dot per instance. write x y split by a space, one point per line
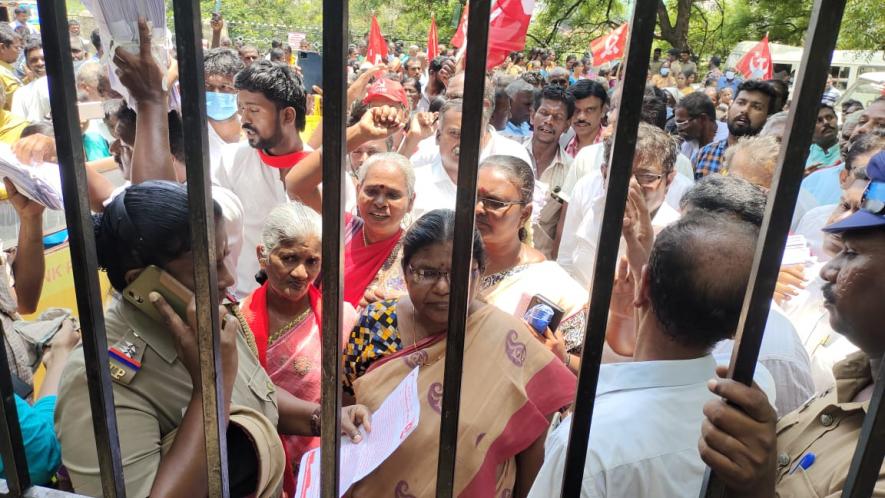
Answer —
709 159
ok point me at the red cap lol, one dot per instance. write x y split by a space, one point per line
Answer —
387 91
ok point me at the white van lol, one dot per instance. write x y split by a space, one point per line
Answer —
846 65
867 88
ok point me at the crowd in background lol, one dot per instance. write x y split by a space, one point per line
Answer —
705 160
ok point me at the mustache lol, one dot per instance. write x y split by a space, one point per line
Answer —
247 126
827 291
582 122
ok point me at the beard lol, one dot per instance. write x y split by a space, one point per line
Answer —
742 130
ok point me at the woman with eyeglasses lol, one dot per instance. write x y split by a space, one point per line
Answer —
516 272
512 385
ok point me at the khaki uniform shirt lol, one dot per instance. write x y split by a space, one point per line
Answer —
828 425
553 178
150 401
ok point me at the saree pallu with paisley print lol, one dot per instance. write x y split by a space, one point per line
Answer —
511 386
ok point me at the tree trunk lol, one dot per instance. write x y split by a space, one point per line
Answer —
676 34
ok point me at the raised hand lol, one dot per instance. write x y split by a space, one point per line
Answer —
140 73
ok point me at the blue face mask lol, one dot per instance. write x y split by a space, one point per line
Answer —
665 71
220 106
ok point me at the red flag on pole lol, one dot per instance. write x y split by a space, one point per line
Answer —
432 40
756 64
610 47
376 51
461 33
508 24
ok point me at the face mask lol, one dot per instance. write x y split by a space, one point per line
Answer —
665 71
729 75
220 106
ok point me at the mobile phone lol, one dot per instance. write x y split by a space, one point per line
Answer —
153 279
311 64
21 388
557 310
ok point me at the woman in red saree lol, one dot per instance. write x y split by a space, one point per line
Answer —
373 239
512 384
284 313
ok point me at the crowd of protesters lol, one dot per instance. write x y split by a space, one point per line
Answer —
705 160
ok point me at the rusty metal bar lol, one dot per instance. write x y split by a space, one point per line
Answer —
335 19
867 460
823 31
638 48
462 246
69 148
12 446
188 38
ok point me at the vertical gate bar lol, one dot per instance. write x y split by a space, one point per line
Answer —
642 28
12 446
335 20
823 30
462 246
188 37
867 461
81 242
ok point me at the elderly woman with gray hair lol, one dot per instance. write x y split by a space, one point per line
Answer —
284 313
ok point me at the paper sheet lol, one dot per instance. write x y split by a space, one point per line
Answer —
40 183
392 423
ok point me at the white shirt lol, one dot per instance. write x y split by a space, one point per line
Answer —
216 144
690 147
433 187
824 346
32 100
644 436
583 221
259 189
783 355
428 149
810 226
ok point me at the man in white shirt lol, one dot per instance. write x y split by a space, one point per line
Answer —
643 439
553 109
438 73
654 169
436 180
696 123
220 66
32 100
272 107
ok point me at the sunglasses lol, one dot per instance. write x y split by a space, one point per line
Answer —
873 200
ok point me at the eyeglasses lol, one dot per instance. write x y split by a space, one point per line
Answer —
646 179
681 124
873 200
425 276
495 205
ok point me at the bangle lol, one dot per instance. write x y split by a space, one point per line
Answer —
568 359
315 421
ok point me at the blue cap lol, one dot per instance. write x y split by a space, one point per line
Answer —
864 219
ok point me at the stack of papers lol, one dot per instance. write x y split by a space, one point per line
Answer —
117 22
797 251
40 183
392 423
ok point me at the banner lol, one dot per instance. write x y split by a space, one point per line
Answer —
432 40
508 24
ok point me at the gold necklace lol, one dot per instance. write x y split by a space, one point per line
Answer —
289 326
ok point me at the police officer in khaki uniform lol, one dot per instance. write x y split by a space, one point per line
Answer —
156 374
808 452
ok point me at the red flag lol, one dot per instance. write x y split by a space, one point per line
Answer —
610 47
756 64
461 33
376 51
508 24
432 40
